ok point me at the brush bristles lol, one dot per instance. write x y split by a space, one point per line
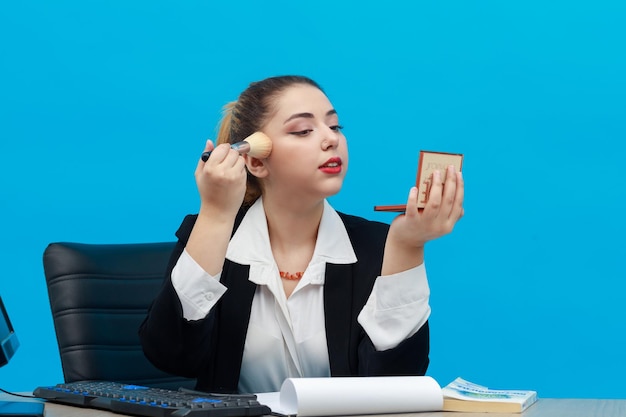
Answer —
260 145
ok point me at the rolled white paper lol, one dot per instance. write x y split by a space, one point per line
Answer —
359 395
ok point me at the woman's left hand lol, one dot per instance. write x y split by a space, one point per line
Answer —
410 231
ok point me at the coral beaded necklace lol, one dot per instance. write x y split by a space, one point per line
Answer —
290 276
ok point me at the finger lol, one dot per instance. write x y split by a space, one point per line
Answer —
227 158
411 204
233 158
208 147
449 192
457 209
239 162
207 150
433 205
218 154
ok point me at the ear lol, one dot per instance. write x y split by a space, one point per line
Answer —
255 166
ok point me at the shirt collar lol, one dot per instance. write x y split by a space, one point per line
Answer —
250 245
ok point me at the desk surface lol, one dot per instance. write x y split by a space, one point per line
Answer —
545 407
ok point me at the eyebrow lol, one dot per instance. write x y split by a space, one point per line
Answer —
308 115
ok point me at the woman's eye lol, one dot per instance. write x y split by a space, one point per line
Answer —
336 128
301 132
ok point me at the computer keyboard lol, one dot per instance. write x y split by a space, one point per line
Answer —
151 402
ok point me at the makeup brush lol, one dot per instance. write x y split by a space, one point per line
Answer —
257 145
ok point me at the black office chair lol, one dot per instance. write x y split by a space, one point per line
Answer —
99 294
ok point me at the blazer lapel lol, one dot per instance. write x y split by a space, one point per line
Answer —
338 311
234 308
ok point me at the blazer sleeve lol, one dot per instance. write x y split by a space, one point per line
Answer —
170 342
411 356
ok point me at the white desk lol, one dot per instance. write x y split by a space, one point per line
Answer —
545 407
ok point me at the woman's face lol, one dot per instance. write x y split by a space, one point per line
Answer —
309 155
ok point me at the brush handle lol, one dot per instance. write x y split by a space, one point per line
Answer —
241 147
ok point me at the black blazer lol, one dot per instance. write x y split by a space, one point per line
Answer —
211 349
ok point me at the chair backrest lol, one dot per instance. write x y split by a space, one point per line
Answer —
99 295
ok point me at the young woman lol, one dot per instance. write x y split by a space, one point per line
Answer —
268 281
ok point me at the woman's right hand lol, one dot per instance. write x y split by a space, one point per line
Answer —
221 180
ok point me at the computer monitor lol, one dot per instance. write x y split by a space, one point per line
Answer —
8 346
8 338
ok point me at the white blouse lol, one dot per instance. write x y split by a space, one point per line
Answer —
287 336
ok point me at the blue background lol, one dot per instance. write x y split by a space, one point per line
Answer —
105 107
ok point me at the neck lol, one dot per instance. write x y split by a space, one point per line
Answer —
292 229
289 226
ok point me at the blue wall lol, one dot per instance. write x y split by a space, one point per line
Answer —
105 106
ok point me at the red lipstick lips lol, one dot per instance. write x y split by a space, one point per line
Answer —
332 166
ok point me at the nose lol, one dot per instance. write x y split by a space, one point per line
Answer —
330 138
